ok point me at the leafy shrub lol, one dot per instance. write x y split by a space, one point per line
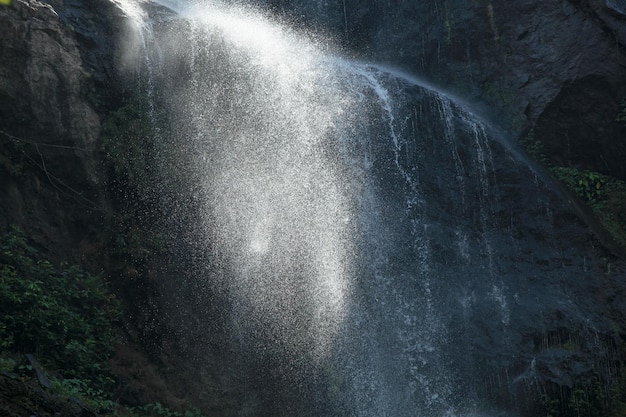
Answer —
587 185
621 116
96 399
158 410
61 313
7 364
605 195
127 135
535 149
99 401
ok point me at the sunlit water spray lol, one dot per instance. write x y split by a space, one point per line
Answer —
261 110
337 201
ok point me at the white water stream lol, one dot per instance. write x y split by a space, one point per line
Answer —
308 173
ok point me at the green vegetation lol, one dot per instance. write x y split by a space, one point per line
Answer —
603 194
137 236
504 102
62 314
96 399
447 22
158 410
588 185
621 116
535 149
594 399
127 140
99 401
65 317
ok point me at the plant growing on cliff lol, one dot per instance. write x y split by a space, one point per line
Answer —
534 148
96 399
587 185
621 116
605 195
159 410
59 312
127 135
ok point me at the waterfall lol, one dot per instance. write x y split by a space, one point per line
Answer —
360 230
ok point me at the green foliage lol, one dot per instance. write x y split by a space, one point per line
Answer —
158 410
96 399
7 364
99 401
534 148
594 399
127 135
611 210
61 313
136 161
139 244
621 116
587 185
502 99
551 404
606 196
447 21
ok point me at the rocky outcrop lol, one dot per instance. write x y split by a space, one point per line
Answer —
28 398
556 67
58 82
45 89
553 71
60 78
49 129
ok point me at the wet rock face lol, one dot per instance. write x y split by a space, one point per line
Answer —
44 89
527 60
579 128
51 177
97 27
559 69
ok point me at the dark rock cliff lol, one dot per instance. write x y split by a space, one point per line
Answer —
58 83
52 178
555 68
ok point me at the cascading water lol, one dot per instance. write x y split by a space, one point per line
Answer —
348 220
